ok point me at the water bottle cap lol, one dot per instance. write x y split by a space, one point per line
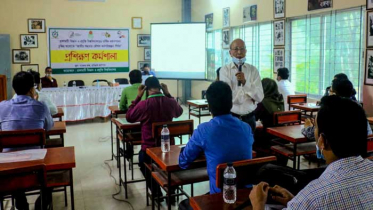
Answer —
165 126
230 164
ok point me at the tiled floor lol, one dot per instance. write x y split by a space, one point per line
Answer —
93 186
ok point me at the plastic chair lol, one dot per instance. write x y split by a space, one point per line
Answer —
78 83
121 81
100 80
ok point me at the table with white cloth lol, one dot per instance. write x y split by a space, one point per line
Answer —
85 103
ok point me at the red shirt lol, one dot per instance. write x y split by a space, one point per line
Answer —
156 108
47 83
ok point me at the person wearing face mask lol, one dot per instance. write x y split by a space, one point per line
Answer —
48 81
347 182
245 82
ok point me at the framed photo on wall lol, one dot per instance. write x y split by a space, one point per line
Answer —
136 23
28 67
369 4
20 56
250 13
143 40
369 29
226 17
369 67
36 25
319 4
279 28
29 40
226 39
209 20
278 59
140 64
147 54
280 6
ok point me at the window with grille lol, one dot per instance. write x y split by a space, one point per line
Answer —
323 45
214 53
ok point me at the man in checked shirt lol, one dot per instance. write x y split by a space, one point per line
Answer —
347 182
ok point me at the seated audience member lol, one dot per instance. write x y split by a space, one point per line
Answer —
341 88
130 93
40 96
223 139
347 182
284 86
147 71
157 107
340 76
22 113
48 81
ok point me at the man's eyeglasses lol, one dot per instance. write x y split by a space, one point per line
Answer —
239 49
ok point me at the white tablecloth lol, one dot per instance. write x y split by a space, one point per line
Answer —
85 103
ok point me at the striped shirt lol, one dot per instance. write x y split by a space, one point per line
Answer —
345 184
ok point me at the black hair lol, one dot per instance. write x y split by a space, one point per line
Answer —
343 88
135 76
152 82
23 82
345 132
48 67
145 65
36 76
283 73
219 98
341 76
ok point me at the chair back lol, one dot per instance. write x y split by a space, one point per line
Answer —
94 82
121 81
26 178
22 138
370 144
245 170
296 99
176 128
287 118
78 83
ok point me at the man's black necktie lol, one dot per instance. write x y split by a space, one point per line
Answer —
240 70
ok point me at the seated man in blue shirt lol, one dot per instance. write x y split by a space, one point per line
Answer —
223 139
347 182
22 113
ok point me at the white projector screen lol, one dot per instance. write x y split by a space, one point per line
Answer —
178 50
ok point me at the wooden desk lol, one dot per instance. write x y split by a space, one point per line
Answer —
292 134
216 201
370 119
58 129
197 108
307 107
56 159
114 110
122 128
59 114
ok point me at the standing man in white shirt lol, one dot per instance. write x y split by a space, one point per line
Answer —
284 86
245 82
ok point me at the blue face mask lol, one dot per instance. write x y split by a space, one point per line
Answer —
238 61
319 153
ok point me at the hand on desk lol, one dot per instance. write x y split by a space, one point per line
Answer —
259 195
309 122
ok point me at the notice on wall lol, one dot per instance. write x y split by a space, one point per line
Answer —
81 51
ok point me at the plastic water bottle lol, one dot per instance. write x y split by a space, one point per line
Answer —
165 139
229 188
97 84
64 84
74 83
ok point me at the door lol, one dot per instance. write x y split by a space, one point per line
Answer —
5 59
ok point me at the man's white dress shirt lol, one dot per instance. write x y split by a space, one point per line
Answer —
285 88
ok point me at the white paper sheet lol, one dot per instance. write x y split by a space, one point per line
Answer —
24 155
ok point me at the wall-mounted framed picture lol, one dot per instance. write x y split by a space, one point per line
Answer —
279 32
29 40
21 56
278 59
36 25
369 4
226 17
226 39
29 67
369 29
141 64
143 40
147 54
209 20
250 13
280 7
369 67
319 4
136 22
